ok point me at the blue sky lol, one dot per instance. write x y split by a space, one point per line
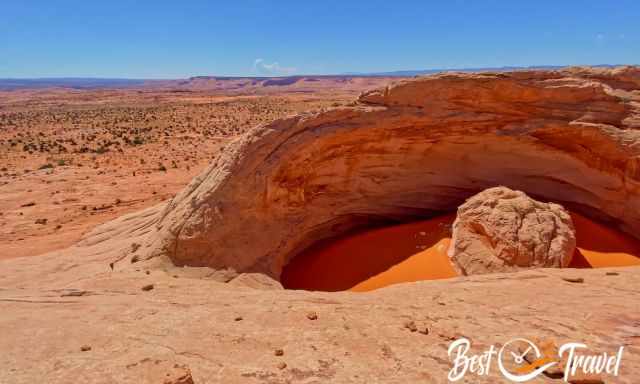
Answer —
175 39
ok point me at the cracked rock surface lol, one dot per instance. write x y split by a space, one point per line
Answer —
189 325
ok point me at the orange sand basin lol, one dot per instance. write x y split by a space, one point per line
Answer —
418 251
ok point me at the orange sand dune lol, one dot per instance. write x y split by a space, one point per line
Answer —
343 263
430 264
418 251
600 246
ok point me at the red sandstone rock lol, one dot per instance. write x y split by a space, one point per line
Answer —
501 230
406 151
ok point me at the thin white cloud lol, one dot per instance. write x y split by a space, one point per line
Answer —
261 67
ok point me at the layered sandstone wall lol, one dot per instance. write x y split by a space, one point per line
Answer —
407 151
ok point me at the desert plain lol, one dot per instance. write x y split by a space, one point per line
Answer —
75 158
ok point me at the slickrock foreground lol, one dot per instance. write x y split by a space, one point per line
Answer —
193 322
404 152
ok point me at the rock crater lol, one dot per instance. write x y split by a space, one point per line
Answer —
409 151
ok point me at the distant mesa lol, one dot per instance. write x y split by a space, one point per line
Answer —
263 81
281 82
74 83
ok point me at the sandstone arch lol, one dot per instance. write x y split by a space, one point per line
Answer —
407 151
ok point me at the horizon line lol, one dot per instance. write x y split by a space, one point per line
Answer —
396 73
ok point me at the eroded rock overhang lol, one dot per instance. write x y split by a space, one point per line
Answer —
409 151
